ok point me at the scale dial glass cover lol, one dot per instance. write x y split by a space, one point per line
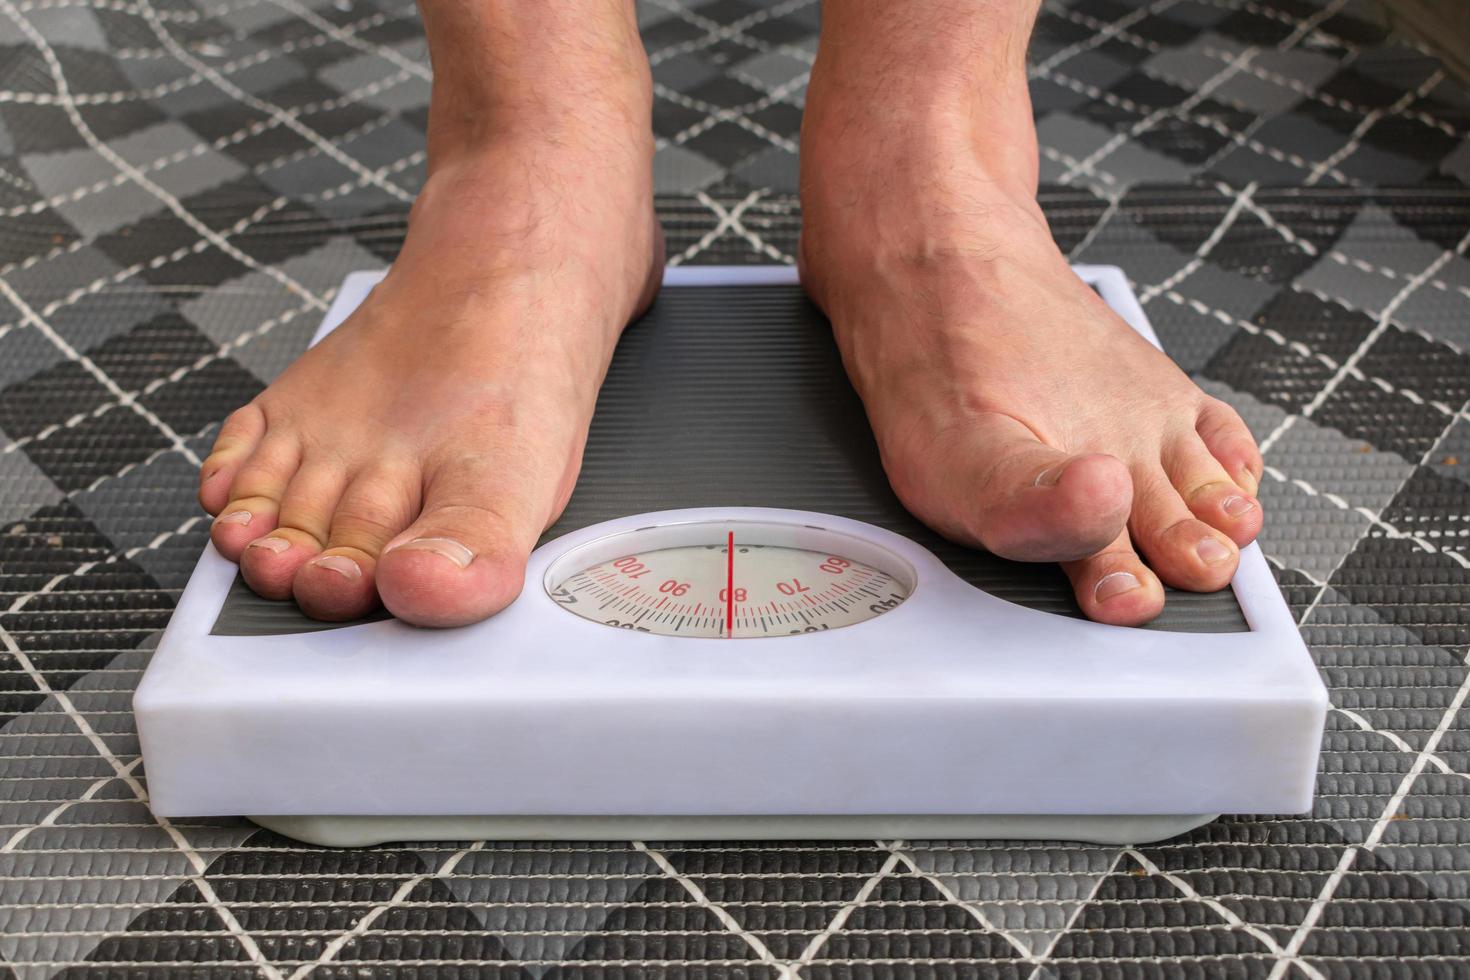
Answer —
639 581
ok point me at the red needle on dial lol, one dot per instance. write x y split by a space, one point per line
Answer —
730 585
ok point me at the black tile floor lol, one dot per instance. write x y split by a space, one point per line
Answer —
1283 180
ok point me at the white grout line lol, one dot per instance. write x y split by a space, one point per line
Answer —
1045 955
183 82
348 36
201 147
1396 740
330 951
50 818
270 108
1291 954
1113 203
206 890
1385 319
1243 139
726 221
1393 304
20 602
697 893
734 31
969 907
1374 518
1368 122
845 912
1215 905
1242 199
61 344
1101 37
1202 92
171 202
1301 88
739 115
1307 26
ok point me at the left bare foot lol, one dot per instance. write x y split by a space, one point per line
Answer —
1014 410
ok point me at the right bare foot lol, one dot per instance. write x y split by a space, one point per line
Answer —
419 451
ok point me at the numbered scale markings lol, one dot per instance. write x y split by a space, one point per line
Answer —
708 590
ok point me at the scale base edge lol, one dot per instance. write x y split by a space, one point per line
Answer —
363 831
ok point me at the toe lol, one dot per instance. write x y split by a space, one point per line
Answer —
464 557
339 583
1026 501
237 439
1184 551
1231 443
270 562
254 500
1208 490
1114 586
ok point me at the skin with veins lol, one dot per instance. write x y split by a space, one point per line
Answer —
415 456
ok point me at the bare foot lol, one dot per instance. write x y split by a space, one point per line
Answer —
419 451
1015 411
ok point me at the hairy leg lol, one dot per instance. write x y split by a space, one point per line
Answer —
418 452
1014 410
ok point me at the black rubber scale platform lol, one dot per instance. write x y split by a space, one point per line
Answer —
736 396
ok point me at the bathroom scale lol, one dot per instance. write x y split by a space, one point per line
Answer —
736 630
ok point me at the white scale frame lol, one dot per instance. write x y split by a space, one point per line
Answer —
954 715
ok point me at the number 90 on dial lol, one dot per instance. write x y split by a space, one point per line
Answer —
685 580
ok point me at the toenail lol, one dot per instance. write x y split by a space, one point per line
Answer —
276 545
241 517
1049 476
1114 583
1211 552
340 564
447 547
1236 506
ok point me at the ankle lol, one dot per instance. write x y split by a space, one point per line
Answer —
568 74
948 92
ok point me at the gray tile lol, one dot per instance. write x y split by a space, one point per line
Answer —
1457 163
73 27
26 487
1227 291
561 917
1132 163
1034 901
253 15
372 69
772 70
60 174
680 171
148 500
1075 137
1304 531
684 72
1261 418
384 145
1142 257
774 168
1376 239
1189 335
1193 64
1452 456
1441 313
312 174
1330 462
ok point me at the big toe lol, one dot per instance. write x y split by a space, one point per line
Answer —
1023 500
433 577
461 560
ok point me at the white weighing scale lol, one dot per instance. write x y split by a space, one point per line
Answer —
736 631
